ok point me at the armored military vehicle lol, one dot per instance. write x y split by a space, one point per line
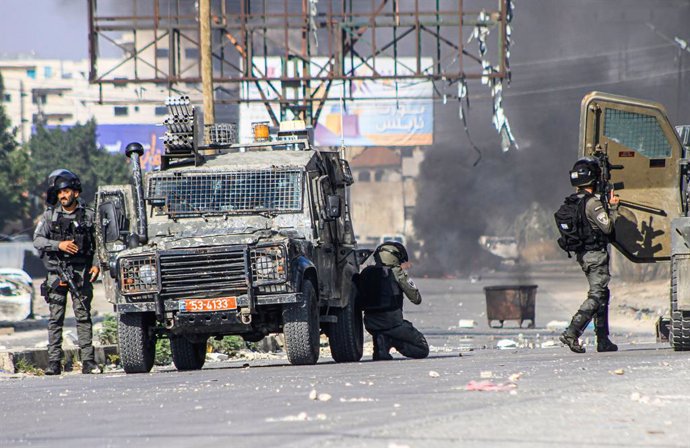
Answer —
231 239
645 159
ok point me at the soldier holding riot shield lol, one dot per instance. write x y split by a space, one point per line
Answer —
64 237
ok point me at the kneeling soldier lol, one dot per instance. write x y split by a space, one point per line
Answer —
381 288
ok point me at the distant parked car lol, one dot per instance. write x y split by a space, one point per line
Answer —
16 295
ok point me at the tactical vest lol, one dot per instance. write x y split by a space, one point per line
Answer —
65 227
577 233
378 290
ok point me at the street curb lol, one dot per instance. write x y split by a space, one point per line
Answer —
42 324
38 357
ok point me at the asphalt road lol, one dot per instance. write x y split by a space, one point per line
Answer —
549 396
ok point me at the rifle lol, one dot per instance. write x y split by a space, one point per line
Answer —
66 274
605 186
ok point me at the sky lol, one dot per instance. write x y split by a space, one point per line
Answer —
51 29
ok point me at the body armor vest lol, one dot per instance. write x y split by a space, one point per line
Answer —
64 227
378 290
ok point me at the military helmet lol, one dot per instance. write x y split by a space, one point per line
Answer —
391 253
59 180
585 172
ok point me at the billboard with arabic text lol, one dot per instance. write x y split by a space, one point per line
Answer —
371 112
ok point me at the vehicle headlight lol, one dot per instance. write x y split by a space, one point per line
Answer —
147 274
265 265
268 265
138 275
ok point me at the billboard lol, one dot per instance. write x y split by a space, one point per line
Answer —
116 137
371 113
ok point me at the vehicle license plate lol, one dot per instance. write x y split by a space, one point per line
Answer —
202 305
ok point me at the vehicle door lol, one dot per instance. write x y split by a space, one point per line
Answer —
114 213
638 136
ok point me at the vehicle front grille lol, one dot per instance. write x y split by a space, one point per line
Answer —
203 272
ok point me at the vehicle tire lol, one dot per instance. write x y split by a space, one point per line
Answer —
346 336
187 355
679 335
301 327
136 341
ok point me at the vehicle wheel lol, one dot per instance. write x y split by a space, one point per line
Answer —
346 336
136 341
187 355
301 327
679 336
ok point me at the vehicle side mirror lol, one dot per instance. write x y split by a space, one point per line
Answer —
347 172
362 255
111 221
332 207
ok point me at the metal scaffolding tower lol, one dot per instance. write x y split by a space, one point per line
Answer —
321 44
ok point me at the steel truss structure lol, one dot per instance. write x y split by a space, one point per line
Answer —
161 45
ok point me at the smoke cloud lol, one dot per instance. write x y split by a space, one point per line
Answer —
561 51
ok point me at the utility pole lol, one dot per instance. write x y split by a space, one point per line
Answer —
206 63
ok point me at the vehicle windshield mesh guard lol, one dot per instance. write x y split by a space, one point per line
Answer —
273 191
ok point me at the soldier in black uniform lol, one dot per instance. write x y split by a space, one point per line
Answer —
593 257
381 288
65 235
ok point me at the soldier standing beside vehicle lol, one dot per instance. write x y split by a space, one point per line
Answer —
65 239
586 226
381 288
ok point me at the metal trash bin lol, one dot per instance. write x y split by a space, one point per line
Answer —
510 302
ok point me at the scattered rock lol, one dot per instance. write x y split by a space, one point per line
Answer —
216 357
505 344
466 323
557 325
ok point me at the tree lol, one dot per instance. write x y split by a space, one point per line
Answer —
13 166
75 149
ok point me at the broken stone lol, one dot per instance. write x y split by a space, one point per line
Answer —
505 344
466 323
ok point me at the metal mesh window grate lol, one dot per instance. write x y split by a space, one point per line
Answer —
138 275
276 191
637 131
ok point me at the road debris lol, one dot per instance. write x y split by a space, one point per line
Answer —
557 325
486 374
356 400
466 323
489 386
515 377
313 395
301 417
618 372
434 374
506 344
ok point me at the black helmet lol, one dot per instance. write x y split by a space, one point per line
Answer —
59 180
585 172
384 252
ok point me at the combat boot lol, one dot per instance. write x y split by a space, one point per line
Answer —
572 341
604 344
381 348
54 368
89 367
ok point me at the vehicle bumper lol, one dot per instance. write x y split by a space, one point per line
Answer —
242 302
